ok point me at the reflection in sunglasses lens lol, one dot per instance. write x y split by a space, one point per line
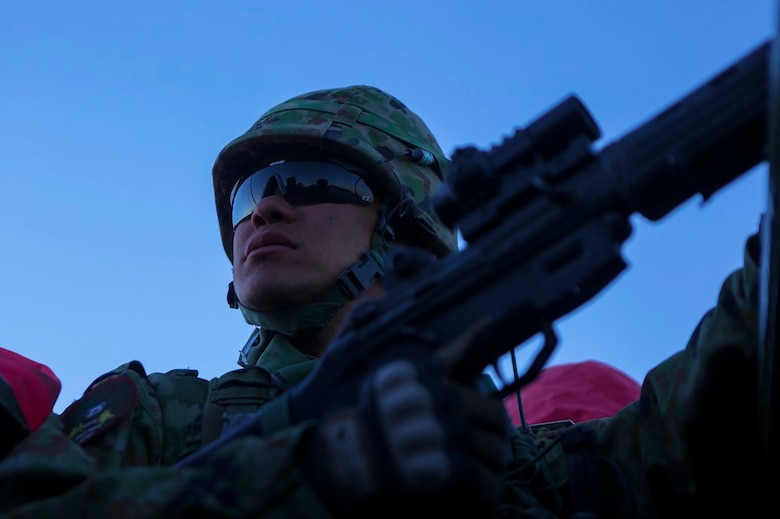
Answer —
300 183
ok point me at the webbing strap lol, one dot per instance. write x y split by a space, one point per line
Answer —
212 417
587 492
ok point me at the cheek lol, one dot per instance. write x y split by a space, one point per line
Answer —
342 238
239 238
354 229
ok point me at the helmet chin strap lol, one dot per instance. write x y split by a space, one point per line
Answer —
311 318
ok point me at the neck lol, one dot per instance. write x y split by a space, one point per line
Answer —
314 345
317 343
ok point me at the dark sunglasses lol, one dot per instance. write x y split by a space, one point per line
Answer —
300 182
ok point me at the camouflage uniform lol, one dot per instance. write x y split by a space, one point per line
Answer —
658 442
110 453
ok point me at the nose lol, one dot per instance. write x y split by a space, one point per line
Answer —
271 209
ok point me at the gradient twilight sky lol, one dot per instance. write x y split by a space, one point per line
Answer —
111 116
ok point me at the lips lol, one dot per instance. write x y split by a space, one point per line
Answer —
268 241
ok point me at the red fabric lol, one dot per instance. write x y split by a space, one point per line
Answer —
576 391
34 385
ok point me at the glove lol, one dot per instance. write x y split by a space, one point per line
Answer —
415 441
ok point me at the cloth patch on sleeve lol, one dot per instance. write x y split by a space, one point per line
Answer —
101 408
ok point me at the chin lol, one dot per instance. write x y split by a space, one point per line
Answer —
269 297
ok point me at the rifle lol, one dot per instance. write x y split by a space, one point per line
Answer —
544 215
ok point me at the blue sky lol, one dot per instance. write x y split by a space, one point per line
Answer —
111 116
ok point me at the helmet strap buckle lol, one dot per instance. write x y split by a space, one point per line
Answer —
359 276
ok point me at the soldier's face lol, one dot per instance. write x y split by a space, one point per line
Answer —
287 255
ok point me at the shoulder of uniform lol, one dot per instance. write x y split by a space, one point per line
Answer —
133 369
108 400
183 372
180 384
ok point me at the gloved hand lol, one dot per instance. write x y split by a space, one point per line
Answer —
415 442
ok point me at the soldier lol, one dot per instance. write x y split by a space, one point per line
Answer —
309 201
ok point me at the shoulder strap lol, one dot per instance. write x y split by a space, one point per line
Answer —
212 416
234 397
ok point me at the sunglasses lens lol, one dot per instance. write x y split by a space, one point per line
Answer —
300 183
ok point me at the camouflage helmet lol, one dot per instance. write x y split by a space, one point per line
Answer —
361 124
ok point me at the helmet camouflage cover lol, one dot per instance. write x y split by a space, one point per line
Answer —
361 124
